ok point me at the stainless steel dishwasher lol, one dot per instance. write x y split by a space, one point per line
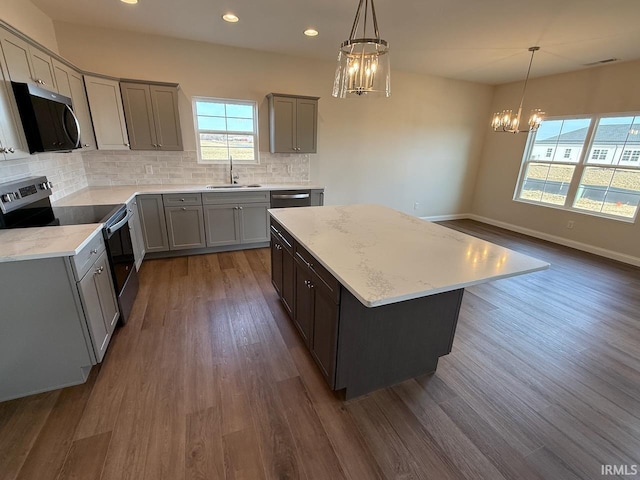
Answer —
290 198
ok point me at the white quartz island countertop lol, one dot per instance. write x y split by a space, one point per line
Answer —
383 256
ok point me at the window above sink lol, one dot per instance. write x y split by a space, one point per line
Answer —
226 130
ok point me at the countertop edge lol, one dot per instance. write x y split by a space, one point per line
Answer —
54 254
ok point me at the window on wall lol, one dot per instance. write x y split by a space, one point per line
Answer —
226 130
598 172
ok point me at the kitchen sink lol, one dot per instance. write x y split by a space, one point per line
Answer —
216 187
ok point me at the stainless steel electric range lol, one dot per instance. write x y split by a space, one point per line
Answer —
26 203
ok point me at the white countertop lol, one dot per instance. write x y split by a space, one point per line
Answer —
122 194
45 242
383 256
60 241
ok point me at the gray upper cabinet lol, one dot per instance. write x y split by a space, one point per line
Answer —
27 64
70 84
12 141
154 225
293 123
152 116
107 113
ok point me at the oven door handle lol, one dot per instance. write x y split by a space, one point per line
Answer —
115 227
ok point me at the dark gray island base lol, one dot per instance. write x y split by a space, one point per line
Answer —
359 349
381 346
376 293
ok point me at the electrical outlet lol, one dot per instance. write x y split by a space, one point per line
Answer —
149 169
570 224
416 205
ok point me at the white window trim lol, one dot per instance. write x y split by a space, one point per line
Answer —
256 147
578 173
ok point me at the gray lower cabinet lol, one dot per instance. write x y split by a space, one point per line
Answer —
317 197
254 222
236 224
222 227
154 225
185 226
135 230
99 304
55 330
233 218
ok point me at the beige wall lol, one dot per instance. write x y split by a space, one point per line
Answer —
421 145
30 20
612 88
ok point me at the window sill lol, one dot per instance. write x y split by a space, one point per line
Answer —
580 211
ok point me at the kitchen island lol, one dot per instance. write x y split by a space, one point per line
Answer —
376 293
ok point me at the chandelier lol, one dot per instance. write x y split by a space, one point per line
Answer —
506 122
363 62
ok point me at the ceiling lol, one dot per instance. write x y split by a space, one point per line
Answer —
477 40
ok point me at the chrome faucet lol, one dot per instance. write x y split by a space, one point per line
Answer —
233 179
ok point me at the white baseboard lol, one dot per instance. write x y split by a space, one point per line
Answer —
442 218
585 247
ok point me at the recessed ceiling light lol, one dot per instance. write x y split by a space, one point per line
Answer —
311 32
230 17
130 2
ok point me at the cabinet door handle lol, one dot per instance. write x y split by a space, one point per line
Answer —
240 208
11 150
159 145
94 251
127 144
183 209
182 199
86 145
100 270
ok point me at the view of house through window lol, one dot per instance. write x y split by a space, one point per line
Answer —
590 164
226 129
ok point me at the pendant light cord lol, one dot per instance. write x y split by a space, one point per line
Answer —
526 80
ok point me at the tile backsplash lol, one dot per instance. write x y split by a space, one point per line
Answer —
64 170
104 168
74 171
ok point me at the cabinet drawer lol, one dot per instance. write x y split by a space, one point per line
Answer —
82 262
303 256
182 199
218 198
283 236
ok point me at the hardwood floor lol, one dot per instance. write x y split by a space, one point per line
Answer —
209 380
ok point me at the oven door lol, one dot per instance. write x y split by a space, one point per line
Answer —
122 262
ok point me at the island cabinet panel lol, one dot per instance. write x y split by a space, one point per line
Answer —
388 344
282 271
276 263
303 313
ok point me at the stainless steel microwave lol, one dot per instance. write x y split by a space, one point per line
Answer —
47 118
